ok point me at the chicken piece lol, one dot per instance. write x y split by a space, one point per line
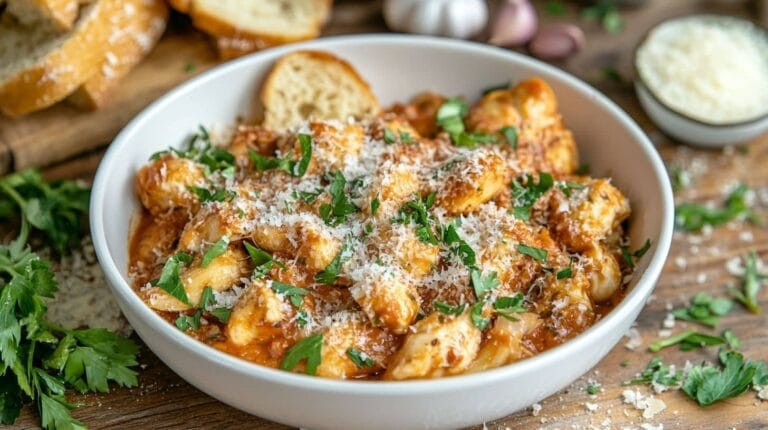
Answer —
156 238
163 184
416 257
222 272
255 138
343 340
504 343
387 298
543 142
472 181
214 221
312 243
566 303
439 345
589 215
392 187
256 315
421 112
332 143
603 272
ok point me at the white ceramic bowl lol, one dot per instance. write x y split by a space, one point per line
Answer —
690 130
397 67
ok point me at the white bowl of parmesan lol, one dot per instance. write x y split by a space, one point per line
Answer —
703 79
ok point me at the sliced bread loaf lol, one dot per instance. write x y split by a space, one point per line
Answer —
39 67
58 14
314 85
136 28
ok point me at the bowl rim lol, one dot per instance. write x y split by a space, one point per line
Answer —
127 296
675 112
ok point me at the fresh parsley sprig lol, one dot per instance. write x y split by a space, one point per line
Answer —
688 340
659 373
525 194
704 309
341 204
286 164
416 212
707 384
747 296
200 149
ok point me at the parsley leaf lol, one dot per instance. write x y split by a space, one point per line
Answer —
704 309
688 340
448 309
375 203
510 134
707 384
631 257
222 314
594 389
216 250
416 212
200 149
307 197
482 284
537 254
450 117
389 136
262 260
476 314
309 349
332 271
506 306
693 217
458 245
525 196
170 281
294 294
360 358
751 286
658 373
336 212
216 195
287 164
564 273
185 322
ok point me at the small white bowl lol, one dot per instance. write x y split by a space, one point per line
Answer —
690 130
397 67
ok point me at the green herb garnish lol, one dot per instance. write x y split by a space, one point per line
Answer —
747 296
458 246
307 197
294 294
564 273
310 349
215 251
170 281
693 217
704 309
361 359
688 340
336 212
375 203
594 389
631 257
506 306
525 196
448 309
287 164
416 212
510 134
483 284
216 195
656 372
537 254
707 384
476 314
497 87
332 271
389 136
262 260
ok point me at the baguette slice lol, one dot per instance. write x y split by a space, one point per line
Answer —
137 27
59 14
314 85
241 26
39 68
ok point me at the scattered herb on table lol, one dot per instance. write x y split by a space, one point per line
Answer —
606 13
679 177
747 296
554 8
40 361
707 384
594 389
704 309
656 372
688 340
693 216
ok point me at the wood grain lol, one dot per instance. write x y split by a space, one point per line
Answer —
165 401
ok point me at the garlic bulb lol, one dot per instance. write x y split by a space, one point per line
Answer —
515 23
557 42
451 18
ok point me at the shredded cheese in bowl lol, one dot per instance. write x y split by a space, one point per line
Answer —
709 68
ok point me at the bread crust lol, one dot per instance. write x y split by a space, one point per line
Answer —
268 88
136 30
62 70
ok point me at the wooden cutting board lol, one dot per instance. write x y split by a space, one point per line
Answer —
63 131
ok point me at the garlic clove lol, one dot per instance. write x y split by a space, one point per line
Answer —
515 24
557 42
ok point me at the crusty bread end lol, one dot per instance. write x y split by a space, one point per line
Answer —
314 85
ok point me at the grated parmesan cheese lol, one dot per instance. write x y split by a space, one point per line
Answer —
712 69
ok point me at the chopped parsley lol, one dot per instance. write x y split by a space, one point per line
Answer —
216 195
458 246
482 284
679 177
707 384
405 137
606 13
170 281
594 389
510 135
287 164
506 306
525 196
309 350
332 271
497 87
262 260
307 197
360 358
631 257
416 212
186 322
747 296
537 254
564 273
447 309
222 314
704 309
656 372
336 212
688 340
294 294
201 150
568 186
389 136
693 217
450 116
375 203
476 314
215 251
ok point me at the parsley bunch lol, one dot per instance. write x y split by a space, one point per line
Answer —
39 360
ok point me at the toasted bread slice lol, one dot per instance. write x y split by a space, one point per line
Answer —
58 14
137 27
39 67
241 26
314 85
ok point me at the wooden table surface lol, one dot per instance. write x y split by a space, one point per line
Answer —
696 264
